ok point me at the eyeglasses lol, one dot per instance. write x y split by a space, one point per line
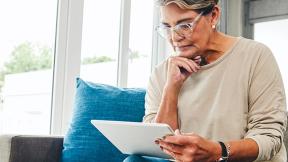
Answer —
182 30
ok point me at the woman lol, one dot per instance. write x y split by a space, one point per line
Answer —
224 94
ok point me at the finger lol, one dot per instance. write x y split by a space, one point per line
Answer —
171 147
175 155
168 152
197 59
185 69
177 132
183 62
193 66
178 139
179 62
167 136
186 61
189 134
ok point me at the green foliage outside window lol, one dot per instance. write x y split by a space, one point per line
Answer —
28 57
1 79
96 59
135 55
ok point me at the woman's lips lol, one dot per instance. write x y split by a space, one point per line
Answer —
182 48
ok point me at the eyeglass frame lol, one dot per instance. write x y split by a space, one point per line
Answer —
190 25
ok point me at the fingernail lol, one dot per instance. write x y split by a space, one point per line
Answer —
156 142
177 132
163 138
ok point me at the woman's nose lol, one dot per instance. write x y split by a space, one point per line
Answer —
176 37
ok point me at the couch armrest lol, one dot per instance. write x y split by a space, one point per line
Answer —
5 145
34 148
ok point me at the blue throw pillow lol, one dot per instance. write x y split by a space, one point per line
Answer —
83 142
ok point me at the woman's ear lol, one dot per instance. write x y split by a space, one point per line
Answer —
215 16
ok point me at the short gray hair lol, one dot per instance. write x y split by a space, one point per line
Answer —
189 4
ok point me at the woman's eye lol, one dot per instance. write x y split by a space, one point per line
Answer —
184 26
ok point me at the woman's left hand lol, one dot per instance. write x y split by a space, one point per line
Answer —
190 147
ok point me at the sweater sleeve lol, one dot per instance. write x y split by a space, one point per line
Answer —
267 118
154 93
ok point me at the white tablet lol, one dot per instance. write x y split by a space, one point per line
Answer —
134 137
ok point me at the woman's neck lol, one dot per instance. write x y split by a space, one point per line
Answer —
218 44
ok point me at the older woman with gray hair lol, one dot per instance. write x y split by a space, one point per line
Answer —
223 95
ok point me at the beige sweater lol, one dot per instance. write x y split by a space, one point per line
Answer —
240 95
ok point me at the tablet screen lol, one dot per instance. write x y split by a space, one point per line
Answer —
134 137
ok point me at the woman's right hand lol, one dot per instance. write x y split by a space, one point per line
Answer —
179 69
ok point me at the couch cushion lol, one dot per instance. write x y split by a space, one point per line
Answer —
36 148
83 141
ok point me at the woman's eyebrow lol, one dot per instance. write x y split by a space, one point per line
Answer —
178 22
165 24
184 20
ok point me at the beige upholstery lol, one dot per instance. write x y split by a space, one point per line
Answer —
5 146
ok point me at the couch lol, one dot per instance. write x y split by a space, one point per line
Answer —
82 141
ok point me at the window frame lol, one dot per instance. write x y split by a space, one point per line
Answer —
66 63
260 11
123 53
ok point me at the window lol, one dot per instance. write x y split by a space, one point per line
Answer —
95 31
100 41
274 35
26 51
140 43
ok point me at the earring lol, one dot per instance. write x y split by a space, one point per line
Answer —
213 26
